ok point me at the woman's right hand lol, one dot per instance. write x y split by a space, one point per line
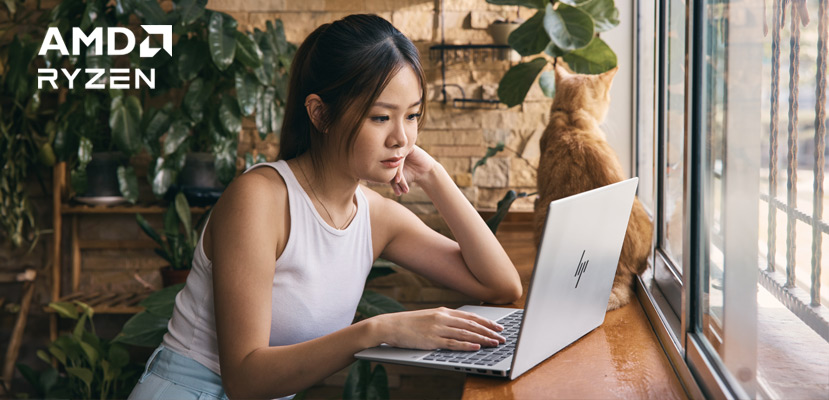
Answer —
439 328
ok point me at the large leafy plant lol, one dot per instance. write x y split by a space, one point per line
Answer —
560 28
26 134
216 76
222 75
89 367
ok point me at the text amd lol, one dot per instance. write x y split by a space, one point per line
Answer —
118 78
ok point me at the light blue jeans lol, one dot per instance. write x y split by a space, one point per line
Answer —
169 375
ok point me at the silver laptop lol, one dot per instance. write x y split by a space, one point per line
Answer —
568 293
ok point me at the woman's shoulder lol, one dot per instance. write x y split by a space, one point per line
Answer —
258 193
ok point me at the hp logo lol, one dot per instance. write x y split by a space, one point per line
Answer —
581 268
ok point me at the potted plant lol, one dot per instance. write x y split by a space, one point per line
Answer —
26 133
89 366
177 242
223 76
568 29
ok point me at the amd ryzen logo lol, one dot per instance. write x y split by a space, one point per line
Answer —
100 78
581 268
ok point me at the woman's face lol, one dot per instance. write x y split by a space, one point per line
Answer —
390 129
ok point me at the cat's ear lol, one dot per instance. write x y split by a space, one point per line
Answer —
561 72
607 77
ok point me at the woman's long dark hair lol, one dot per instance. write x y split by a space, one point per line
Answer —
347 63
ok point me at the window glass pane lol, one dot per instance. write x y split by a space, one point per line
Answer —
673 167
645 137
762 310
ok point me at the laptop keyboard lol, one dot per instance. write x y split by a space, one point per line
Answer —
486 356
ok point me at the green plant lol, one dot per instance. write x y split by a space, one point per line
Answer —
224 76
179 237
91 120
90 366
560 28
147 328
216 76
26 134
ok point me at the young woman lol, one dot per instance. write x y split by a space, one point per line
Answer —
282 262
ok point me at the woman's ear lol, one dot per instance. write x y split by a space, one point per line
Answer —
315 109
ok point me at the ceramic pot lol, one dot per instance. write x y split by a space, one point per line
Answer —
170 276
102 174
199 172
500 31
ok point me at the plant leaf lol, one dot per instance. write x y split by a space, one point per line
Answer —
83 374
516 82
547 81
59 354
84 152
264 111
230 115
247 92
192 56
596 58
65 309
161 303
490 151
553 51
539 4
225 163
183 211
569 28
125 120
530 38
221 39
196 97
190 10
151 12
373 304
145 226
143 329
356 384
604 12
118 356
90 353
378 385
247 52
178 133
128 183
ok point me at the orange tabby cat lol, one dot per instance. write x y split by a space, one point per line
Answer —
575 157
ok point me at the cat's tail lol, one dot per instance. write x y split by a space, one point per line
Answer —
638 239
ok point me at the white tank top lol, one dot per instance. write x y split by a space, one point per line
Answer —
317 284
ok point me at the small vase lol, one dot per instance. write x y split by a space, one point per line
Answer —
500 31
170 276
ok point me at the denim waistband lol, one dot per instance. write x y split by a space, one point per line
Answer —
184 371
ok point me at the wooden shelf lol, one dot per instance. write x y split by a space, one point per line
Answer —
108 302
121 209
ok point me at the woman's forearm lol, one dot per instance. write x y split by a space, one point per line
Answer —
299 366
481 251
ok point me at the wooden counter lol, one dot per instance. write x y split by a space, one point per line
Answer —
620 359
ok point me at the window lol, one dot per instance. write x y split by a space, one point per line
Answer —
738 195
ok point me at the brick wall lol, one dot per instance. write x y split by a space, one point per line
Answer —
457 138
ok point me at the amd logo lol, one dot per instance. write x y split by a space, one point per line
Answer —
581 268
118 78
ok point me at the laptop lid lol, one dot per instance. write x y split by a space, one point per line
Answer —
574 270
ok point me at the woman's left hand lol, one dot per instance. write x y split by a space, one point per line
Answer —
416 164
